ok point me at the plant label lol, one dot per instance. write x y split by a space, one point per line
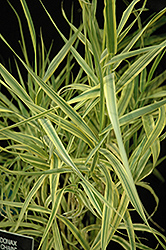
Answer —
13 241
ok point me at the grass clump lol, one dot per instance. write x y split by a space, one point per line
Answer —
78 144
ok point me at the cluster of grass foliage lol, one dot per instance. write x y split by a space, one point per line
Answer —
78 145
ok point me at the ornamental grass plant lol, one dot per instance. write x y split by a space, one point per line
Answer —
76 145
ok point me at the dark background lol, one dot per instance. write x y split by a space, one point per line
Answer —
10 30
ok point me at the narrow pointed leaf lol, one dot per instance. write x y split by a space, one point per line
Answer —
155 132
126 15
107 211
30 23
59 57
14 85
110 22
28 199
113 114
55 208
130 230
53 136
75 231
138 66
127 118
77 56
